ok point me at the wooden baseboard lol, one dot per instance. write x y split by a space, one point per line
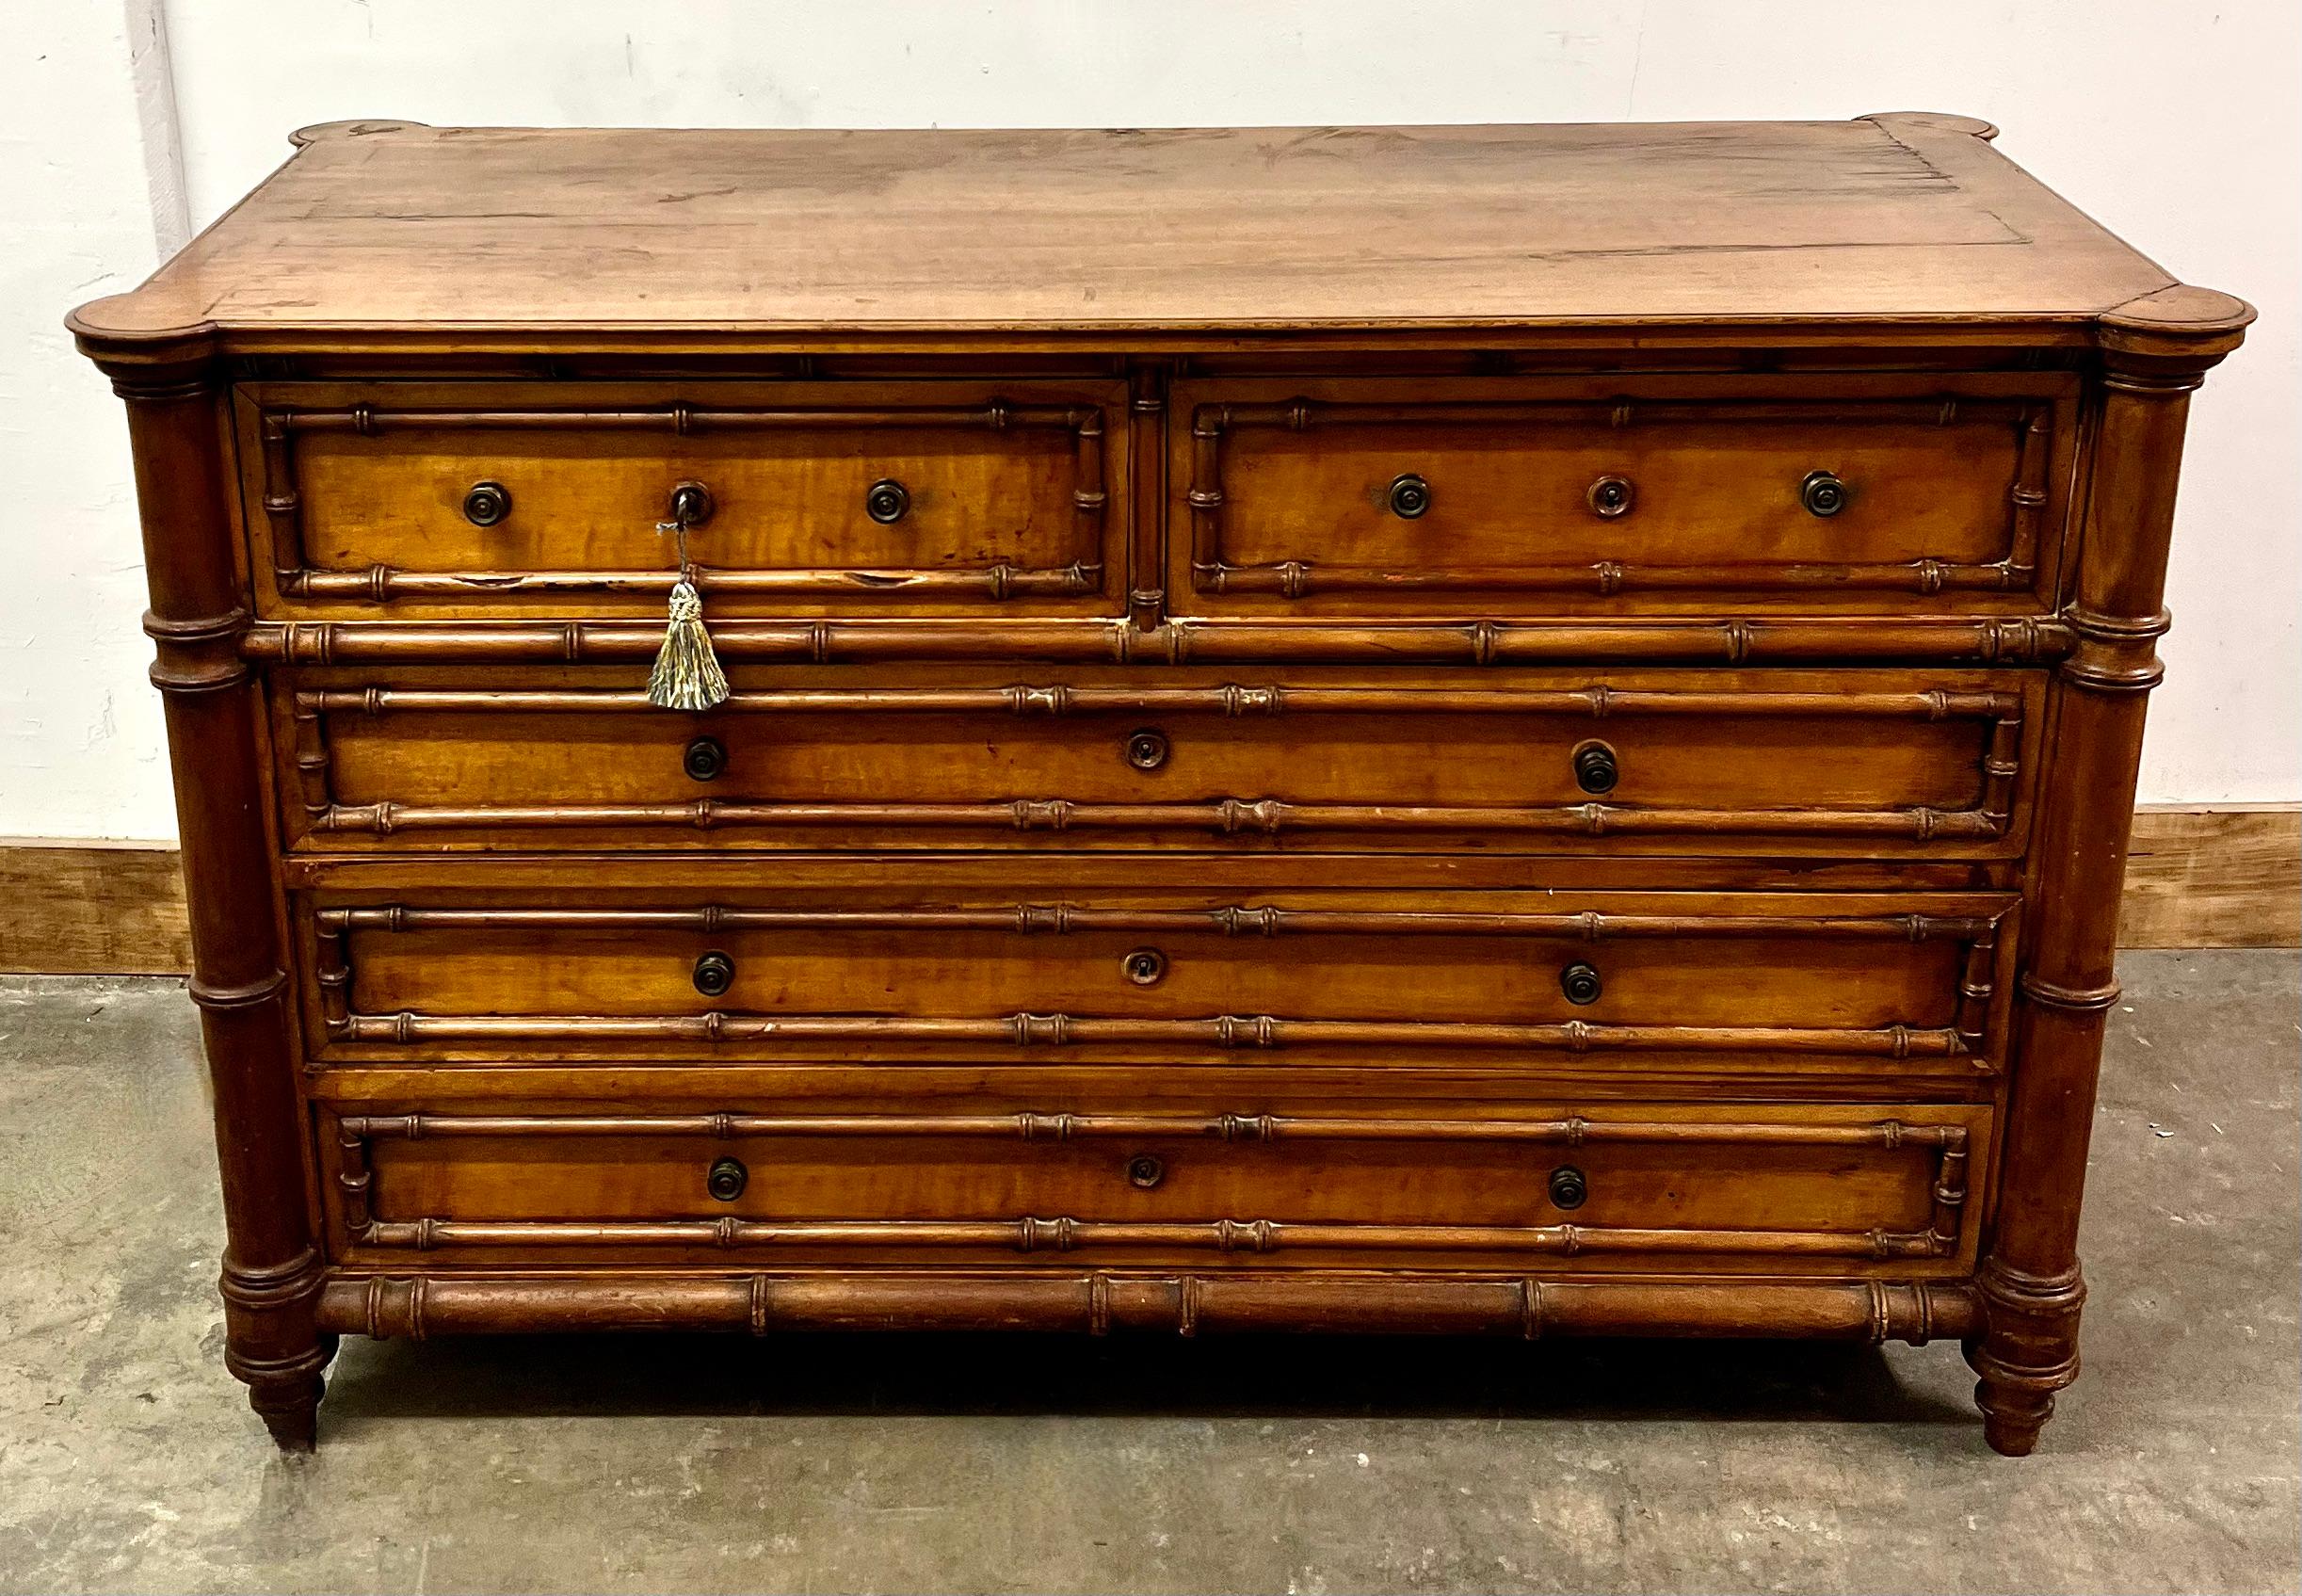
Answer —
2195 877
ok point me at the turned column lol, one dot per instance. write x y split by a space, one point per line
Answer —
272 1266
2154 351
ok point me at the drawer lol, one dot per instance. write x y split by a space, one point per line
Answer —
1532 496
817 498
1826 1188
1895 763
1731 986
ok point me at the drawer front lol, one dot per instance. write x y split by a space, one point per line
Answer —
1531 496
1730 986
816 499
1894 764
1835 1189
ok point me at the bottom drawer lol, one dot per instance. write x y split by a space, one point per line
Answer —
1636 1186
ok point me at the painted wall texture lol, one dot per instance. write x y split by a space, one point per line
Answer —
2178 125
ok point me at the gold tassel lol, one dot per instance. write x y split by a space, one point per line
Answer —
686 674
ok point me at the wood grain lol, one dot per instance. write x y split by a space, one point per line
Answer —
546 234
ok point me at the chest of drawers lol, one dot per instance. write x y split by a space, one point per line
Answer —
1523 730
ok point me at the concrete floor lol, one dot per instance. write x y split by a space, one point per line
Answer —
129 1462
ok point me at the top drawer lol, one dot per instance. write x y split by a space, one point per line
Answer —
453 500
1488 498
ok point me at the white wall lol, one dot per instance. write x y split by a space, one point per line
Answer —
2177 124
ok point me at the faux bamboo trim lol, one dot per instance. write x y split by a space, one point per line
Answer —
1231 920
279 429
1227 1031
2019 640
1224 817
1231 699
382 583
1065 1234
1101 1302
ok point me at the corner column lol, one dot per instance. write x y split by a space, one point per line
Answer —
2154 352
272 1264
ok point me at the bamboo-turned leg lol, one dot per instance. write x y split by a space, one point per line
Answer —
2154 352
273 1268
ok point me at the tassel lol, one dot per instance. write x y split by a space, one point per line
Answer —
686 674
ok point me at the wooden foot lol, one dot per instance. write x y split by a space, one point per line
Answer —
285 1392
2028 1351
291 1414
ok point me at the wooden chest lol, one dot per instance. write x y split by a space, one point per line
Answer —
1523 730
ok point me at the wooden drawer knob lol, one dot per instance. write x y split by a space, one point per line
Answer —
1823 494
715 974
1568 1188
1594 768
886 500
1143 1171
1580 982
486 502
727 1179
704 759
1410 496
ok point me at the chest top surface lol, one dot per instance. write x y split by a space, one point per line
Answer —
1902 218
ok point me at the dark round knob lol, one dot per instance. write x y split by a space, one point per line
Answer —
1567 1188
886 500
1144 966
1409 496
727 1179
1594 768
1580 982
1147 750
1145 1171
714 974
705 758
691 504
486 502
1610 496
1823 494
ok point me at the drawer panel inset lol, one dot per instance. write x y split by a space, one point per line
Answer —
1822 1188
801 500
1856 764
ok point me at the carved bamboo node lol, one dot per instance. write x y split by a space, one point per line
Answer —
1739 635
1530 1310
1485 638
2077 1000
1600 700
1610 577
759 1305
1620 416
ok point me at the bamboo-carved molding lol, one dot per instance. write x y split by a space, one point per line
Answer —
1103 1301
2019 640
1990 820
356 1186
2026 496
1227 1031
283 503
1968 1035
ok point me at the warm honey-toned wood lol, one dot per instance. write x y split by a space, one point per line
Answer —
1520 731
590 236
1898 762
